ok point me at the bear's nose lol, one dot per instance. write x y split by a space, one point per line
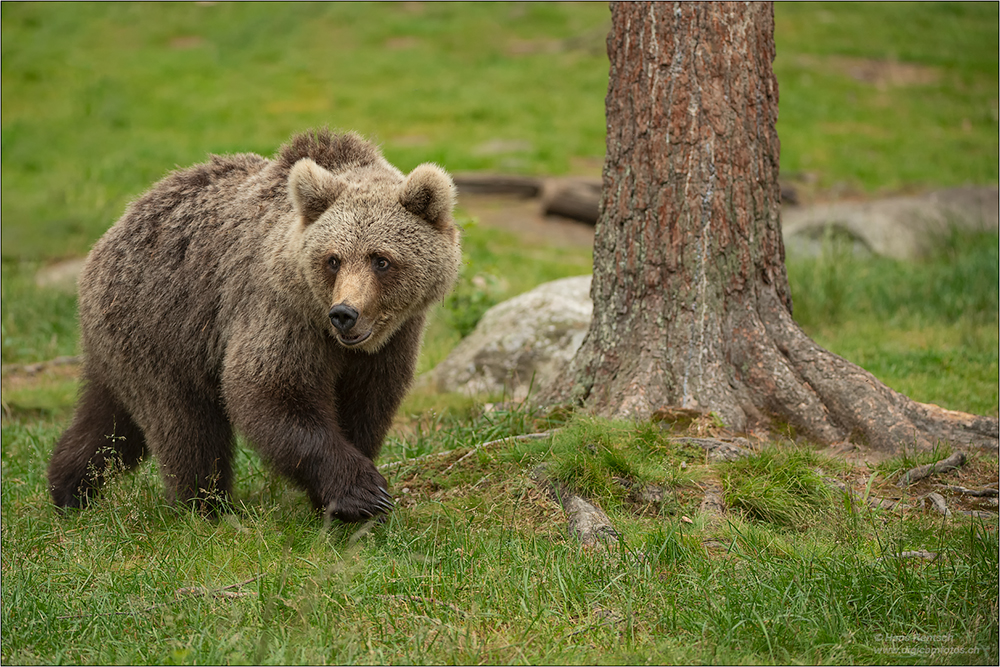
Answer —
343 317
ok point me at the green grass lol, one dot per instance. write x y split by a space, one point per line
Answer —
888 96
475 567
926 328
100 100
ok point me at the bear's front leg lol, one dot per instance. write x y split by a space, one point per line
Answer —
291 420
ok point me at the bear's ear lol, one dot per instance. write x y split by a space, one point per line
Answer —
429 193
313 189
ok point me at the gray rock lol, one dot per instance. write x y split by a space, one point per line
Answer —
520 343
899 227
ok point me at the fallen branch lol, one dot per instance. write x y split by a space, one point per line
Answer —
938 503
712 504
418 598
922 554
573 198
587 522
392 465
226 592
594 626
920 472
497 184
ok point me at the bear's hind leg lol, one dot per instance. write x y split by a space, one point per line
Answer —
101 440
194 451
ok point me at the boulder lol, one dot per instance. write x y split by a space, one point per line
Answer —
898 227
521 343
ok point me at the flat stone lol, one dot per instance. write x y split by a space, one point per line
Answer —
898 227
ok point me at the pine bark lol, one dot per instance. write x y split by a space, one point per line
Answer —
691 300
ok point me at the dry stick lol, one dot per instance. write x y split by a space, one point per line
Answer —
923 554
508 438
938 503
712 504
594 626
587 522
196 591
920 472
418 598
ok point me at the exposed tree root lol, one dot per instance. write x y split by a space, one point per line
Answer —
764 368
938 503
975 493
833 399
920 472
720 450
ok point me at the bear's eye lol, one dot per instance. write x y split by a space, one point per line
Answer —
333 264
381 264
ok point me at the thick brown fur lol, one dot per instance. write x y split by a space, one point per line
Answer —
283 299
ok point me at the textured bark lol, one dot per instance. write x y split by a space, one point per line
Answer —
691 299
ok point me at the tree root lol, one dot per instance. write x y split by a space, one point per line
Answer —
719 450
975 493
938 503
848 401
913 475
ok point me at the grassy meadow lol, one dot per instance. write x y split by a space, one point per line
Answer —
102 99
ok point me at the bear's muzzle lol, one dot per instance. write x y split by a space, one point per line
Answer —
343 318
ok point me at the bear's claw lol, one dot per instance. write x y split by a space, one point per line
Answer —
355 509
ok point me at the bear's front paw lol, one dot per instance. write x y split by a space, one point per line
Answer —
366 498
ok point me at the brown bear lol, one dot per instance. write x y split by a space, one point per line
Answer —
283 299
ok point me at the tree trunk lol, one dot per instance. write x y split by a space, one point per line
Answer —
691 300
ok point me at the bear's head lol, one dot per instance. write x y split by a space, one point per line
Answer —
375 247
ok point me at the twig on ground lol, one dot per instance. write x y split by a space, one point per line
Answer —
509 438
922 554
594 626
225 592
920 472
419 598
